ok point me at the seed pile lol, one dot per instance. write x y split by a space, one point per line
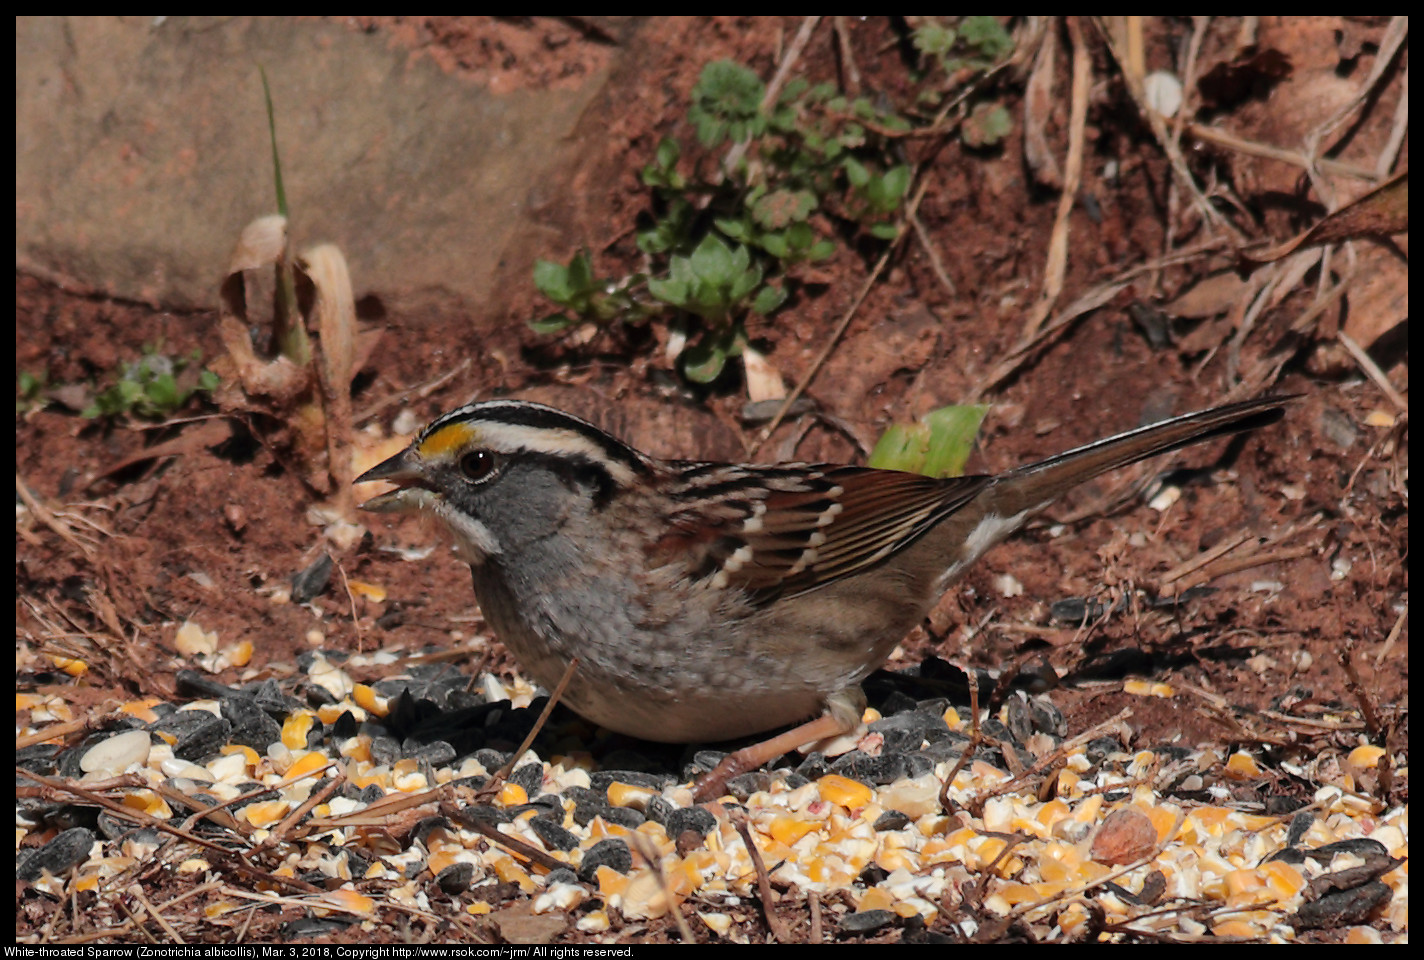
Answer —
351 800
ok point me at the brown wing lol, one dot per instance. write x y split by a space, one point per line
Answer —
779 531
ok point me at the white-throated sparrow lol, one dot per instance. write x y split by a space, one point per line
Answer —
707 601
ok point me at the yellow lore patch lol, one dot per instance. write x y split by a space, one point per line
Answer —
448 439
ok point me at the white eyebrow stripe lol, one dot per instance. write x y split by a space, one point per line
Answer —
511 438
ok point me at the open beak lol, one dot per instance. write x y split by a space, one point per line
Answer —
410 495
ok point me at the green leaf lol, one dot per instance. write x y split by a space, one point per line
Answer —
885 231
782 207
733 229
856 172
988 36
776 245
552 280
703 361
163 389
895 184
553 323
669 291
712 260
768 298
669 150
581 273
987 124
934 39
937 446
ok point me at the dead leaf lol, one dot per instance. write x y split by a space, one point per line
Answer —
518 925
1212 296
1382 212
1378 300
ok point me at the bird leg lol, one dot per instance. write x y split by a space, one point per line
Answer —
843 712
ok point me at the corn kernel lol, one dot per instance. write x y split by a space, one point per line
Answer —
610 882
511 872
1236 928
627 795
876 898
141 709
308 763
512 794
240 654
295 729
844 791
1365 757
351 902
264 813
370 591
718 923
1242 766
788 830
479 908
367 699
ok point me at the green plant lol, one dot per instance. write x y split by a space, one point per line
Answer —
152 387
30 390
968 47
738 241
937 445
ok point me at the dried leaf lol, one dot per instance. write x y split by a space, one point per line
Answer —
1382 212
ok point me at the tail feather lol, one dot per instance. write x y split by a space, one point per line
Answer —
1038 484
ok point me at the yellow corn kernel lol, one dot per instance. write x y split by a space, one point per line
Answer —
1087 811
511 872
1363 935
264 813
295 729
479 908
439 860
718 923
627 795
610 882
788 830
308 763
141 709
350 901
371 591
1073 919
1241 885
1163 819
368 699
512 794
1138 688
844 791
149 802
1283 879
1236 928
1242 766
1365 757
876 898
951 719
70 665
595 921
88 882
248 753
240 654
1052 811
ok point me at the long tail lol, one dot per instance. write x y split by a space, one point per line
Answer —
1038 484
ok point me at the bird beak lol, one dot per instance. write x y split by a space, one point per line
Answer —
410 495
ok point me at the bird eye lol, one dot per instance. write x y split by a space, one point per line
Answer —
477 465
